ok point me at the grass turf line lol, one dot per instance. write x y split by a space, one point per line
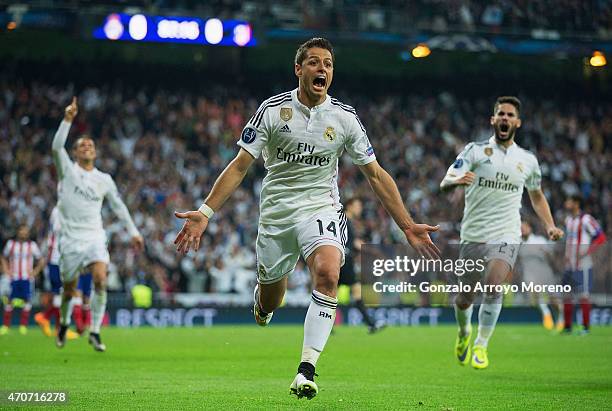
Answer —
251 368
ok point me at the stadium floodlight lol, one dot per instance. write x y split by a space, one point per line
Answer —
421 51
598 59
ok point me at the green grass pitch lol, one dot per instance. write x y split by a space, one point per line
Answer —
247 367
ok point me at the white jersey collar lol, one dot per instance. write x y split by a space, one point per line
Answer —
306 109
511 148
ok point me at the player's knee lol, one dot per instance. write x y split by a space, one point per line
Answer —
493 298
463 301
100 285
69 289
326 279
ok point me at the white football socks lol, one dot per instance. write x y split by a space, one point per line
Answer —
318 325
66 310
487 318
464 319
98 307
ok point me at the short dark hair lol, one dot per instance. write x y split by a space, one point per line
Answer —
508 100
82 137
578 199
320 42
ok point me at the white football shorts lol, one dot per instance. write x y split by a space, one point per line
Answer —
279 246
78 254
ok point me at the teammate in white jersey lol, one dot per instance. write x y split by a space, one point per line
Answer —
494 173
584 236
536 255
82 243
301 134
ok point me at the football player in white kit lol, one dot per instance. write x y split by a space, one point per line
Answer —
82 243
301 134
494 173
536 256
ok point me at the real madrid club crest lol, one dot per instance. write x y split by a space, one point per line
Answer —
520 167
286 113
330 134
488 151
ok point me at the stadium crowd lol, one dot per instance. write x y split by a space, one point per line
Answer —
165 147
511 16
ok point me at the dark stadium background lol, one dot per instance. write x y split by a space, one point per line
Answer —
166 117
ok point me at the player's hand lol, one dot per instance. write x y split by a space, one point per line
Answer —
554 233
137 242
418 237
71 111
467 179
190 234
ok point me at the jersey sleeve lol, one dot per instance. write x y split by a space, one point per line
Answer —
592 226
60 155
7 248
120 209
256 133
463 163
36 251
357 144
534 179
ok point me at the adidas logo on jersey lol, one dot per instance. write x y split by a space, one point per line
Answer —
285 129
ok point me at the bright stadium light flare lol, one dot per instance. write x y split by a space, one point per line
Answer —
598 59
421 51
213 31
242 34
138 27
113 28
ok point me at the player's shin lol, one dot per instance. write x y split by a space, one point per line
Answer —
568 313
318 325
25 315
8 315
77 303
487 318
464 319
65 309
98 307
585 306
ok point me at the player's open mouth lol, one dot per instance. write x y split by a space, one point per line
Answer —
319 83
504 128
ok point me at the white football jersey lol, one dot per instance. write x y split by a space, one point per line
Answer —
301 147
493 200
52 242
81 193
535 251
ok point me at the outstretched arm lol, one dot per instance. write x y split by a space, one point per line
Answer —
540 205
225 185
60 155
123 214
386 190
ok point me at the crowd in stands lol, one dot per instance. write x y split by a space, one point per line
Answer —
165 147
592 17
